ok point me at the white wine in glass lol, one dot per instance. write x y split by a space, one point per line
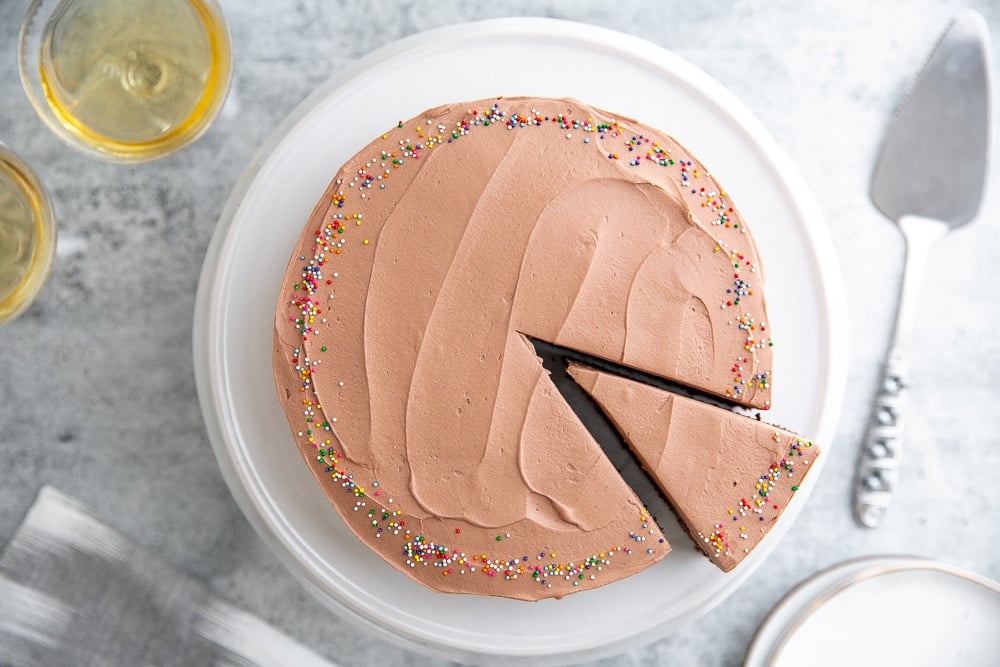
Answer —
128 80
27 236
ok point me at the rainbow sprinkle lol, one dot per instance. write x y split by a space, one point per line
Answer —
759 503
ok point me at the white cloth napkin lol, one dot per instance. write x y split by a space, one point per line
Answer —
75 592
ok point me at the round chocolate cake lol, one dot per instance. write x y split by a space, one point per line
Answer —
403 354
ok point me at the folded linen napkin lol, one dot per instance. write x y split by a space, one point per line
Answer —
75 592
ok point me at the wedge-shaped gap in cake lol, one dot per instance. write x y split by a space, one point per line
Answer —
554 359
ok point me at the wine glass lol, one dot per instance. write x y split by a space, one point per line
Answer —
126 80
27 236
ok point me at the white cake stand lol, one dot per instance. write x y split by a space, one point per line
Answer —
268 208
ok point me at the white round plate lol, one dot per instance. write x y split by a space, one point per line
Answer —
268 210
883 610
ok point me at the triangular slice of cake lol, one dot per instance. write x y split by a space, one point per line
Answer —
728 477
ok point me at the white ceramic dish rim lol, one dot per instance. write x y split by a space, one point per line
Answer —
255 501
802 601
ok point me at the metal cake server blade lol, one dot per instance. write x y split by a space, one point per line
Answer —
933 158
929 179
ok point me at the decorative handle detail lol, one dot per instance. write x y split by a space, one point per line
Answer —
878 465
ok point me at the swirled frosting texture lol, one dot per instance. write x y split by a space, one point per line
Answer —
401 354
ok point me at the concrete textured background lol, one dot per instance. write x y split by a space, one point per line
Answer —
97 393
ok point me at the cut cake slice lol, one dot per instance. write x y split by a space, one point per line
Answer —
727 476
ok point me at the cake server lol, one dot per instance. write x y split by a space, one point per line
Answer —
929 179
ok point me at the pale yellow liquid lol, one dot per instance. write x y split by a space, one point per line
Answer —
135 78
26 239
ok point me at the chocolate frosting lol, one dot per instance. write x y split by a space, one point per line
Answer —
401 356
729 477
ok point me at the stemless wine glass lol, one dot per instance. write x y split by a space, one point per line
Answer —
27 236
126 80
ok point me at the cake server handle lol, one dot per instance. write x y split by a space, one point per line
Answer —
878 464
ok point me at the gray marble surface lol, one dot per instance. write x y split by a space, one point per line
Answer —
97 393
